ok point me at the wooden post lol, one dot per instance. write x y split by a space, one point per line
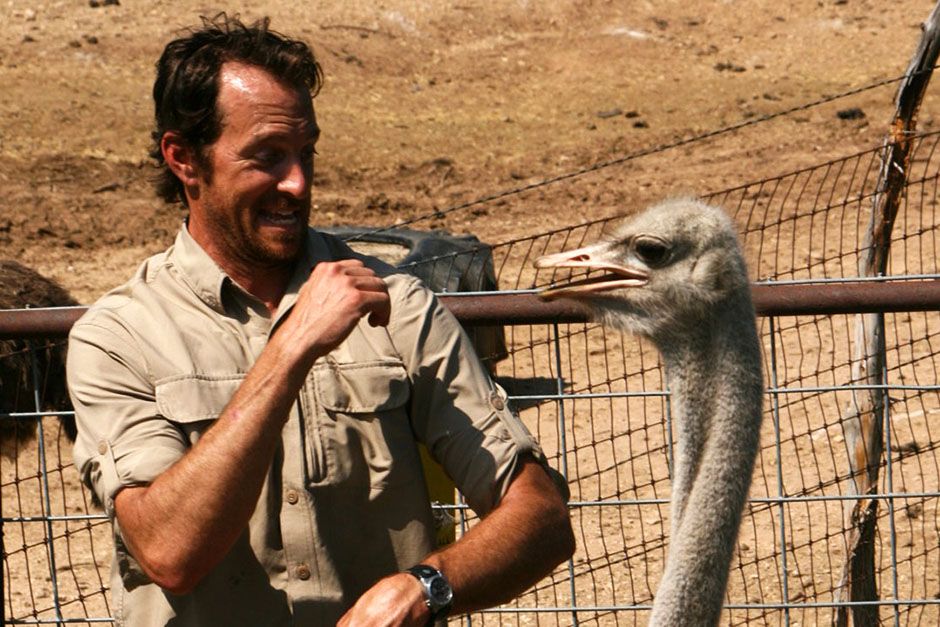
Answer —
863 419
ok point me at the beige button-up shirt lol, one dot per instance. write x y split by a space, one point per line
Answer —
154 362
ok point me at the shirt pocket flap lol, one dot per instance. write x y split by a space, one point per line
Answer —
361 387
196 398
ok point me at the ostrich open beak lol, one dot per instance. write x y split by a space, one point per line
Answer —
596 257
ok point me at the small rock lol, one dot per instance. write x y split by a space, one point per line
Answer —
611 113
641 124
90 39
631 114
725 66
75 43
853 113
28 39
29 15
109 187
661 23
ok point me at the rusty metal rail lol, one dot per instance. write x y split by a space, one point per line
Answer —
527 308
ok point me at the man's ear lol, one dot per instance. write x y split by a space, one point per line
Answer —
181 159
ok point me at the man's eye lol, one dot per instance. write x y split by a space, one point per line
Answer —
268 156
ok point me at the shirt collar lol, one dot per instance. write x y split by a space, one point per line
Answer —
199 270
207 279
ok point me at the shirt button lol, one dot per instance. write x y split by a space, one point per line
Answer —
292 497
497 401
102 447
303 572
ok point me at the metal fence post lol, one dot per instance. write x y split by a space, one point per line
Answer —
563 455
785 573
47 502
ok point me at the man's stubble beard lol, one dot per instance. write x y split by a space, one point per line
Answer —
243 243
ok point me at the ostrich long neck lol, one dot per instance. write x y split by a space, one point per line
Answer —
714 374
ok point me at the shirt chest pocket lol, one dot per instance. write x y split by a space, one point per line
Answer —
194 402
357 426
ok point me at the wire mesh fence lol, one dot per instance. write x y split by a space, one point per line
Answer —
597 402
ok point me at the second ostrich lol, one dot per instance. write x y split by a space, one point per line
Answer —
675 274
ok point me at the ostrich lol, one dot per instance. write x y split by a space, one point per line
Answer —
676 275
24 287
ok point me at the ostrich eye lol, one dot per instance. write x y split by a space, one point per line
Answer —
651 250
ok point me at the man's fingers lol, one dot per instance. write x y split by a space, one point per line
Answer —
379 316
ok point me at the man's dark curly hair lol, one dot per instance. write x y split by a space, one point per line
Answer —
187 84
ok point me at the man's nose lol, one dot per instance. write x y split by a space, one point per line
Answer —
296 179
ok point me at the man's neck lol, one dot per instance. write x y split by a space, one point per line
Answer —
267 284
265 280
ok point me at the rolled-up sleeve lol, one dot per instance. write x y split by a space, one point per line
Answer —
456 409
122 440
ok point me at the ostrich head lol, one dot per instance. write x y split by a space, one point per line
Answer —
666 269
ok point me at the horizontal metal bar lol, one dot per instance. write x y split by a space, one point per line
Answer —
769 300
588 608
36 414
498 308
602 395
727 606
56 621
55 518
772 500
584 504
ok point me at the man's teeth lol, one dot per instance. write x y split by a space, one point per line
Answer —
280 218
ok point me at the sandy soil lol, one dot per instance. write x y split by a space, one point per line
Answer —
428 105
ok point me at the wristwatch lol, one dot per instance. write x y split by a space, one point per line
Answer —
436 588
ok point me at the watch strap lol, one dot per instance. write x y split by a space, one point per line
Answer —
437 590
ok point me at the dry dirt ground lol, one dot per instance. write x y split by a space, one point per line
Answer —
429 104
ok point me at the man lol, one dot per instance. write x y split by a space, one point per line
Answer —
249 404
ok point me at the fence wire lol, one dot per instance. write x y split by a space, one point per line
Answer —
597 402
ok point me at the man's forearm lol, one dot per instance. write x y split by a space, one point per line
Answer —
180 526
519 543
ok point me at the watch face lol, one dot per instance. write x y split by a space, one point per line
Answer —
440 591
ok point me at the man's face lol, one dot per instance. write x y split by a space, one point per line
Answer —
253 205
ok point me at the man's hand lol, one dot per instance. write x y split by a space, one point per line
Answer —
397 600
331 302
